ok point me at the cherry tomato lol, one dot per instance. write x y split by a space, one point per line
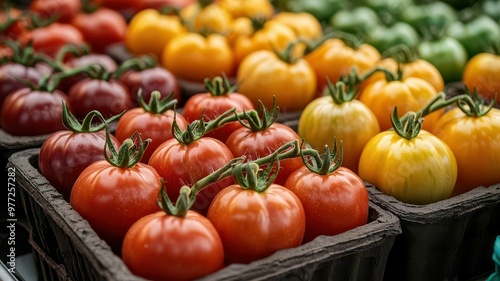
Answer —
50 39
28 112
65 10
114 193
165 247
101 28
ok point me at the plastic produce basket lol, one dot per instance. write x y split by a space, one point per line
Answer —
69 241
448 240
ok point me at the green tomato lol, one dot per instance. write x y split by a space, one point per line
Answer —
389 11
492 9
438 15
384 37
477 35
447 55
323 10
358 21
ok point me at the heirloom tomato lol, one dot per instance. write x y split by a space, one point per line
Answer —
339 115
482 73
50 39
66 153
211 54
334 198
206 16
101 28
248 9
261 136
472 131
412 165
384 37
75 63
256 217
189 157
149 31
153 120
305 25
63 10
408 94
219 98
114 193
333 58
266 76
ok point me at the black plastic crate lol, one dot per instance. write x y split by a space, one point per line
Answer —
448 240
64 236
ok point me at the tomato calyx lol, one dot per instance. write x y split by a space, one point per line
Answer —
350 40
473 105
70 49
87 125
219 86
287 55
138 64
156 105
26 56
129 153
260 119
389 75
410 127
258 22
329 163
401 53
340 93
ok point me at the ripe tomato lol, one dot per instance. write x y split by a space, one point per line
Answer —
158 4
182 162
415 169
89 59
206 16
248 9
219 98
50 39
475 142
482 73
14 25
66 153
334 200
118 5
253 223
101 28
64 10
114 193
305 25
110 97
166 247
28 112
153 120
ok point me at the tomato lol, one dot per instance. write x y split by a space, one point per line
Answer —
14 25
110 97
261 138
50 39
118 5
339 116
408 94
434 14
248 9
265 74
145 75
385 37
101 28
357 20
334 198
86 60
206 16
482 73
474 138
165 247
28 112
255 218
189 157
149 31
211 55
305 25
158 4
66 153
114 193
219 98
413 166
345 55
64 10
153 120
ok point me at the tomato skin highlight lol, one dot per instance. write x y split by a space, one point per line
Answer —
254 225
333 203
164 247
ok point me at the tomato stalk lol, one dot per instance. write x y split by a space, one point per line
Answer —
75 50
156 105
349 39
329 163
26 56
129 153
138 64
409 127
253 118
472 105
339 93
220 86
286 55
87 125
402 53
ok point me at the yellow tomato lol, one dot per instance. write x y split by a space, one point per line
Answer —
149 31
421 170
263 74
211 18
305 25
482 72
191 56
248 8
475 141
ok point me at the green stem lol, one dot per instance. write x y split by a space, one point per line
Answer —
329 163
411 126
436 103
219 86
139 64
87 125
129 153
473 105
261 119
75 50
156 105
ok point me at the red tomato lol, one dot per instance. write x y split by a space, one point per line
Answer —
65 10
256 144
93 58
183 164
118 5
112 196
149 80
165 247
108 97
151 123
50 39
26 112
158 4
253 225
333 202
18 29
101 28
66 153
218 99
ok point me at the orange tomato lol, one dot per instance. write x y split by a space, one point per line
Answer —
482 72
248 9
202 17
305 25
